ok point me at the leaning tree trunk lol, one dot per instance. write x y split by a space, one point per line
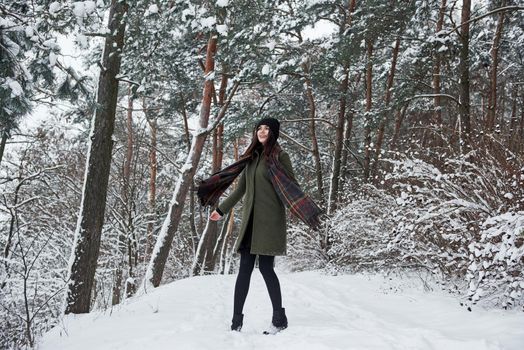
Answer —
194 234
91 216
465 121
158 260
205 255
163 244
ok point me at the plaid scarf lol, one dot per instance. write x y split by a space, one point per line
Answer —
289 192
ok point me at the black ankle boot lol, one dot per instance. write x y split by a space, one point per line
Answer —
236 323
278 322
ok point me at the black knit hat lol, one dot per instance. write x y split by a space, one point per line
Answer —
274 125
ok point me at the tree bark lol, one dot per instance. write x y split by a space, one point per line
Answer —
159 257
339 139
398 123
205 255
350 114
520 139
227 242
387 99
86 246
339 129
494 53
3 141
194 233
465 121
367 126
124 238
132 245
437 102
153 166
513 127
312 130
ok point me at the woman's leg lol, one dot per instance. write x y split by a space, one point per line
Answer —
265 264
247 263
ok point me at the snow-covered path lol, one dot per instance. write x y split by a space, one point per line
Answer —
324 312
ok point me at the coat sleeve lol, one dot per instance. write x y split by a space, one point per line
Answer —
235 196
286 163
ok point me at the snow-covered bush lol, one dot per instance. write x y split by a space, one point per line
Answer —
359 231
496 262
305 248
459 220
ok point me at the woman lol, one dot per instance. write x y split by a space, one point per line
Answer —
268 183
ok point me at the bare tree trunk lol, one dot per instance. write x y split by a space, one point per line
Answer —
312 130
345 151
436 75
513 126
339 139
124 238
492 101
347 135
205 255
160 253
339 130
227 243
128 198
465 121
194 233
3 141
520 138
86 246
367 127
398 123
153 166
387 99
117 285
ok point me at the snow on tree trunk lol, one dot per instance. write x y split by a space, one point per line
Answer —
3 141
205 255
86 246
152 182
312 129
437 102
465 124
160 253
492 101
387 99
367 127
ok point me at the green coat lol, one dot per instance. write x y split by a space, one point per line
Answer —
269 214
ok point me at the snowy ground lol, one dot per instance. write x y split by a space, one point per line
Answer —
324 312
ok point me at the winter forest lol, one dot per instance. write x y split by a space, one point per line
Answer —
404 121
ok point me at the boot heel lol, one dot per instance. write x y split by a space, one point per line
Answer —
236 323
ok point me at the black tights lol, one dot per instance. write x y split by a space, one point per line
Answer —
265 264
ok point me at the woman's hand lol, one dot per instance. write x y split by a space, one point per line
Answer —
215 216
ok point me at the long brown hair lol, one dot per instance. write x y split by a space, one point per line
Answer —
257 145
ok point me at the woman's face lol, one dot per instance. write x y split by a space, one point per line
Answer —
263 134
